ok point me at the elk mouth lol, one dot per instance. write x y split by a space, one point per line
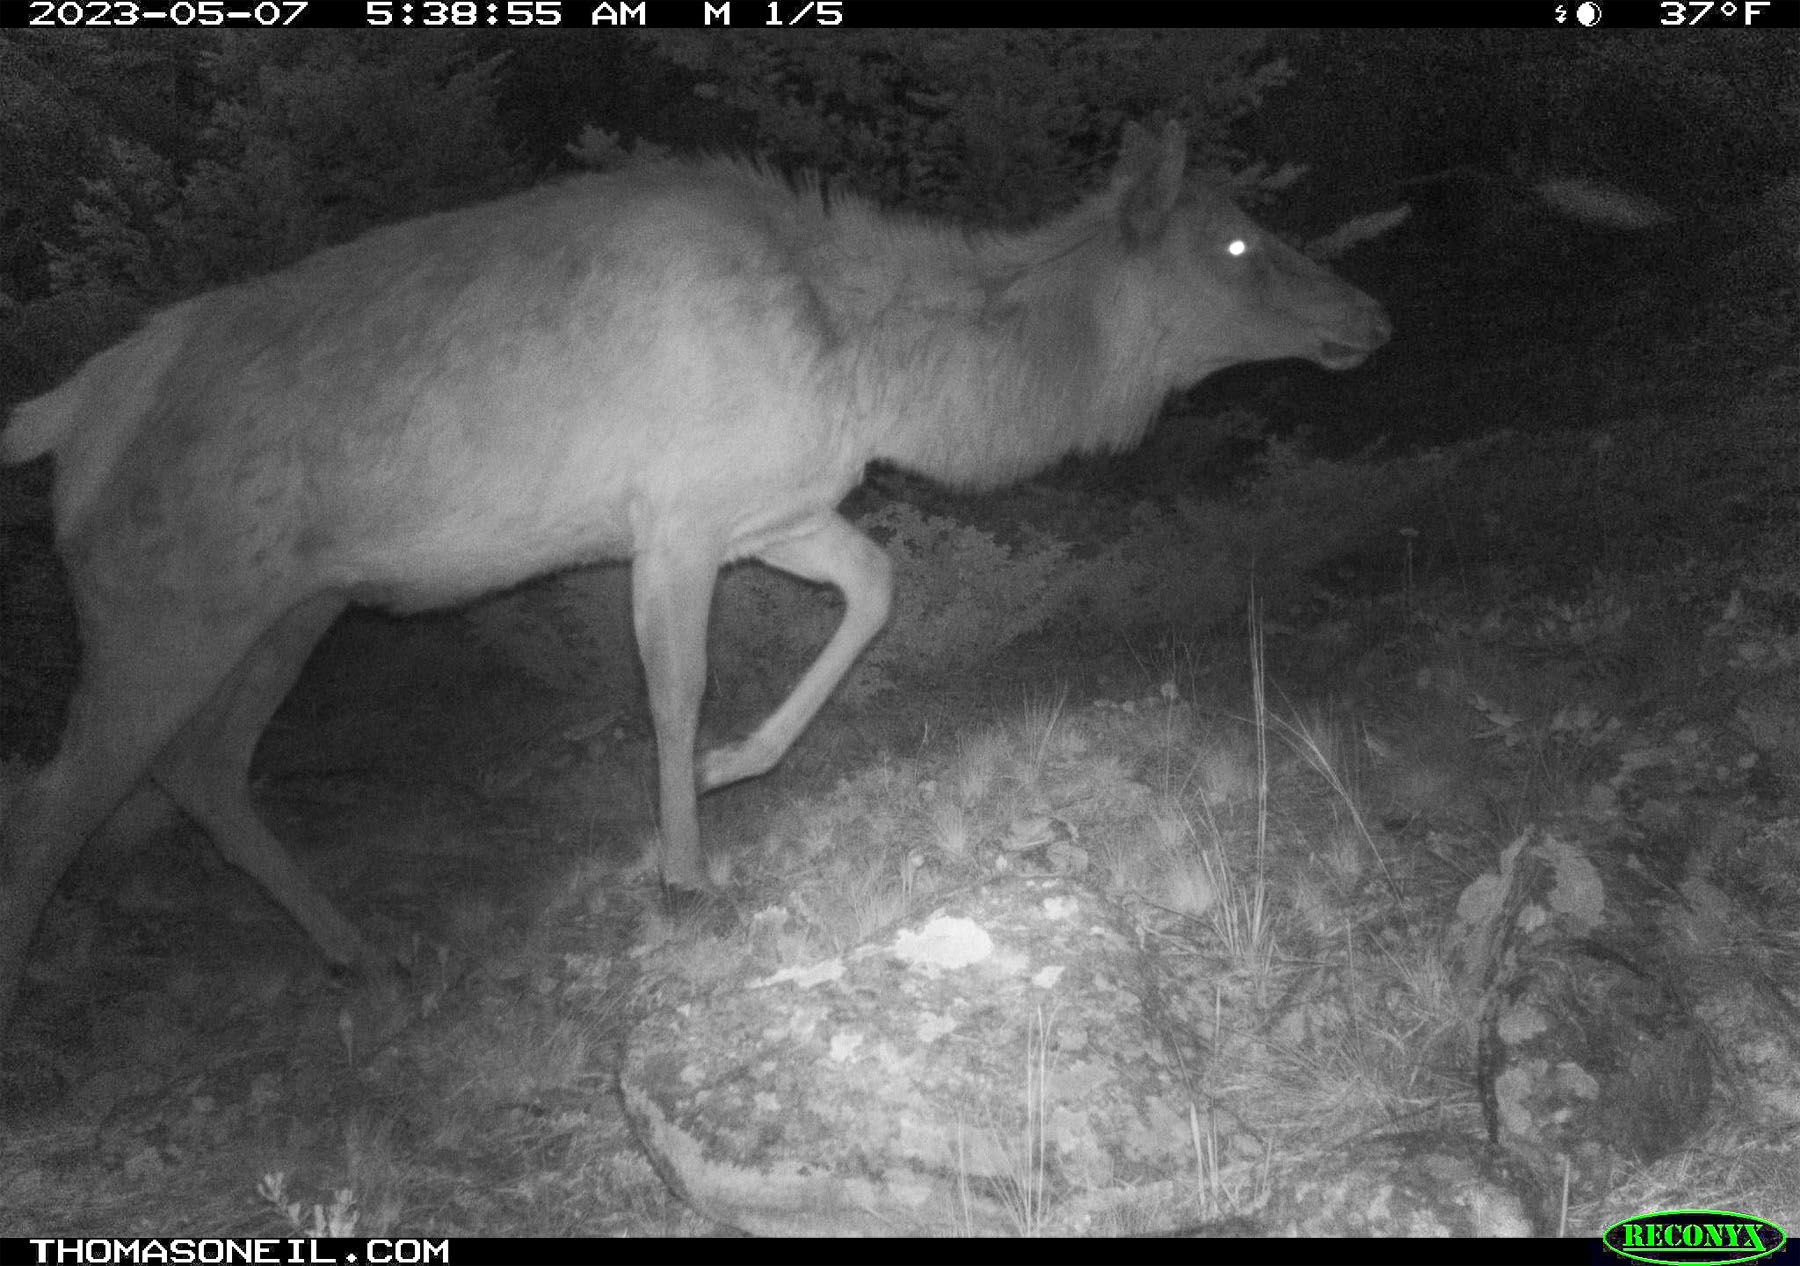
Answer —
1351 351
1334 355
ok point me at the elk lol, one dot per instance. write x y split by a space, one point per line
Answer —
678 365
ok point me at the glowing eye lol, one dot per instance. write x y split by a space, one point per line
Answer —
1237 246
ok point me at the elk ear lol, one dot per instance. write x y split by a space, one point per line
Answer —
1148 180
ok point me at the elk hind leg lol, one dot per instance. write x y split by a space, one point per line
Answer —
143 676
206 769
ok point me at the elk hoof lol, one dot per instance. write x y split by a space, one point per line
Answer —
734 762
707 906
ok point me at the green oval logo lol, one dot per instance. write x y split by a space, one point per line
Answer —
1714 1236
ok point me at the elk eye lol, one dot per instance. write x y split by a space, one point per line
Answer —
1237 246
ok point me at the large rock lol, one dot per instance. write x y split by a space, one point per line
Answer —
983 1068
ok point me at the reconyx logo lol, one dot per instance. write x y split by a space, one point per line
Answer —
1714 1236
